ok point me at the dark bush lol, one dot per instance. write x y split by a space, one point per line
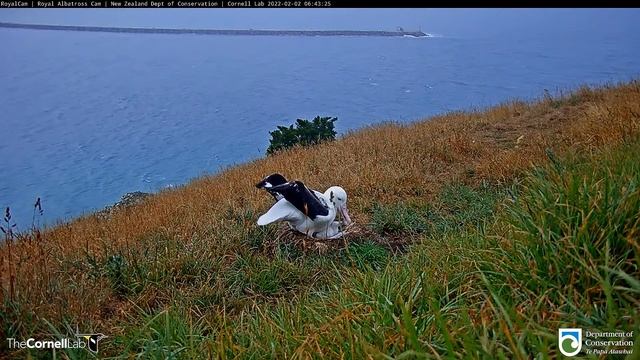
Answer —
303 132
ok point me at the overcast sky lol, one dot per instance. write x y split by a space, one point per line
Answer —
447 22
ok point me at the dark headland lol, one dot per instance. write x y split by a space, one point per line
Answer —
215 32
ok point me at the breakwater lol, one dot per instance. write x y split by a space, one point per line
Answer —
215 31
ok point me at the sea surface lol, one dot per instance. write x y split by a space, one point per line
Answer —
87 117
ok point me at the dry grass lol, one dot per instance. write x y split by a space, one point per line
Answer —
385 164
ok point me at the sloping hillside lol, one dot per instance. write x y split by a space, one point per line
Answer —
440 262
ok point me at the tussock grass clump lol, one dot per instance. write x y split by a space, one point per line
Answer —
577 222
461 207
513 221
259 275
458 207
166 335
397 218
568 256
368 254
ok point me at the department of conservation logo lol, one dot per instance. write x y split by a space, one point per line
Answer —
569 341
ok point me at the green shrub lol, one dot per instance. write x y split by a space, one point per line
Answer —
303 132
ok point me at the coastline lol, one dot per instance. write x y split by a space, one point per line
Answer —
248 32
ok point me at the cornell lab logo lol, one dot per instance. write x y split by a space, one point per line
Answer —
92 341
570 341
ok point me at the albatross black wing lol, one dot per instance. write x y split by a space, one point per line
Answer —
274 179
269 182
302 198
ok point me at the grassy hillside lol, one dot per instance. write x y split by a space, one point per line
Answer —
477 235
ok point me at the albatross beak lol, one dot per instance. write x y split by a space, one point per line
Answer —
345 215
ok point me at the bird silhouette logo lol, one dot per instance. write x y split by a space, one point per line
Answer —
92 341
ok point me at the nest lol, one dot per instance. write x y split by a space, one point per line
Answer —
286 235
352 233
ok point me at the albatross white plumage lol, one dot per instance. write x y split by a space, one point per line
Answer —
308 211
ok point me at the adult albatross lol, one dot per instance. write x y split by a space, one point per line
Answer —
308 211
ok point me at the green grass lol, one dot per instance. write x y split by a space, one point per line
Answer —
492 272
259 275
168 334
349 302
396 219
458 208
575 227
463 207
367 255
468 289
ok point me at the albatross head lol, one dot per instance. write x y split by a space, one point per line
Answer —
338 197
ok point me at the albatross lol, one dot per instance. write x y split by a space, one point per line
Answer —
270 181
307 211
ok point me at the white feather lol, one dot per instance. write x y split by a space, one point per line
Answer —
322 227
282 210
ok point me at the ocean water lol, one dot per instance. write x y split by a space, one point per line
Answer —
87 117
